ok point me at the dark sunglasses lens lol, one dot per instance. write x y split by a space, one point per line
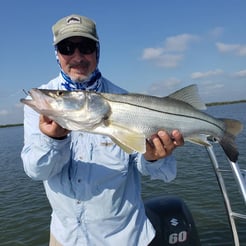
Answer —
66 48
85 47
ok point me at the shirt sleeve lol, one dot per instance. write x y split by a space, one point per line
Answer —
42 156
164 169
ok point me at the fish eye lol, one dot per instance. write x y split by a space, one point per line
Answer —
59 93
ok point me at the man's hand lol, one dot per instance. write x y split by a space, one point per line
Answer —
51 128
162 144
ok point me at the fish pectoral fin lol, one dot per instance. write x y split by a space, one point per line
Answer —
200 140
128 140
122 146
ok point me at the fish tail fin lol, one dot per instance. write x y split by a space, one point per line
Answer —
232 129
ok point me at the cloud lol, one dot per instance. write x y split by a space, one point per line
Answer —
151 53
171 53
11 115
164 87
179 43
19 105
4 112
236 49
211 85
169 60
241 73
201 75
216 32
211 90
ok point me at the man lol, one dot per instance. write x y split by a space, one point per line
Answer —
93 186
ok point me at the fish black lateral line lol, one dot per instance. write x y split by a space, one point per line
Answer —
130 119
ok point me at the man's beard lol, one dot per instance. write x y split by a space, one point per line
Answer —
84 65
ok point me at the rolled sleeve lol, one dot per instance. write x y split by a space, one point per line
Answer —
44 157
164 169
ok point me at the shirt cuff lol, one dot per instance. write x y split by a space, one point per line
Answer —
52 142
163 169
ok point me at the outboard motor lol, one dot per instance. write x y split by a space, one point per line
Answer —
172 221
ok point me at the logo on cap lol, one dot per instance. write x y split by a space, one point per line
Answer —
73 19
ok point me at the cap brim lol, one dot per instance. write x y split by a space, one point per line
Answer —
74 34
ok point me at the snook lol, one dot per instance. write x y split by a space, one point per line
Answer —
130 119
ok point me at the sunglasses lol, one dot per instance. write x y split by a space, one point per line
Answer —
86 46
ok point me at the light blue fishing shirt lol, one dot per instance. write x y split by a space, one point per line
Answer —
93 186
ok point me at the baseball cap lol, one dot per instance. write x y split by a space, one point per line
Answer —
74 25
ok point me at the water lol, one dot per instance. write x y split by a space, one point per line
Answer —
25 211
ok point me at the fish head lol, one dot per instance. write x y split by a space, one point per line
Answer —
73 110
39 100
59 100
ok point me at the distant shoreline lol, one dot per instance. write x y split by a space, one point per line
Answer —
11 125
224 103
207 104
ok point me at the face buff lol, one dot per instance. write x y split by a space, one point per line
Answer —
93 82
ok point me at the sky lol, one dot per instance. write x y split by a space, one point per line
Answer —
154 47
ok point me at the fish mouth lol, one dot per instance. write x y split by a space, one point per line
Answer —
39 99
37 94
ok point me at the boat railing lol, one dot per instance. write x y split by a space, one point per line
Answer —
243 171
240 178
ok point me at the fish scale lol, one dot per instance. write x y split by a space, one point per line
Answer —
134 113
129 119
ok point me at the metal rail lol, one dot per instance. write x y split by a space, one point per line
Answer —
239 176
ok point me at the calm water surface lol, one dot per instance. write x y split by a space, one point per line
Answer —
25 212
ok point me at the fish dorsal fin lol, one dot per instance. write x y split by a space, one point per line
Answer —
190 95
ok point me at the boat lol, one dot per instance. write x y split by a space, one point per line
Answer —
172 218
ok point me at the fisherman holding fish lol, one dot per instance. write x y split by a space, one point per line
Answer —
92 184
